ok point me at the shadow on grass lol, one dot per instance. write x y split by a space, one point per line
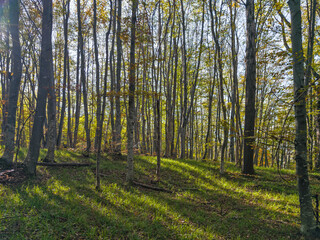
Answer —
204 206
63 209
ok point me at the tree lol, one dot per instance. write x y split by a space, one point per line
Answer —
52 131
104 102
250 111
45 82
215 33
96 56
131 121
118 83
83 80
66 70
234 118
14 85
308 224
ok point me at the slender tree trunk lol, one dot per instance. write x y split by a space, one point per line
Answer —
45 81
250 112
78 100
158 136
234 154
96 58
5 83
169 105
65 71
104 102
83 80
174 95
308 224
317 163
118 85
131 120
187 110
112 80
14 11
52 131
208 140
183 122
215 33
70 143
143 102
309 59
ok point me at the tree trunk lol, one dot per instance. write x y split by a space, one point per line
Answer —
132 72
174 95
78 100
118 85
234 99
183 122
208 141
83 80
309 59
250 114
308 224
112 80
104 102
65 72
14 12
96 58
45 81
5 83
215 33
51 135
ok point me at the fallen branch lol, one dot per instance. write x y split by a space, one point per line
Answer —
190 189
6 171
66 164
152 187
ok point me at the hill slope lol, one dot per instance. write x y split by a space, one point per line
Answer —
61 202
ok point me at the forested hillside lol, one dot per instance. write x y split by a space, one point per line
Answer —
231 85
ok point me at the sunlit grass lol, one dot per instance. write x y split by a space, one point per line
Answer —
62 202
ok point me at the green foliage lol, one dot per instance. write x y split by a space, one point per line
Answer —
62 203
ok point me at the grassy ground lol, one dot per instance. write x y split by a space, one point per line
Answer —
61 203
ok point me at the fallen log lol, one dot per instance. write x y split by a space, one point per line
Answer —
151 187
66 164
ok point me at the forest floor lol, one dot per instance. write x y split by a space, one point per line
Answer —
62 203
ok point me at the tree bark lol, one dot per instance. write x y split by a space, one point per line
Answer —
132 79
78 100
83 80
14 85
65 71
118 84
250 111
308 224
96 56
183 122
51 135
45 80
104 102
234 99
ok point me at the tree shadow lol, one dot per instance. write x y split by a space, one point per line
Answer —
204 205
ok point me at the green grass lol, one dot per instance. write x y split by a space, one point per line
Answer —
61 203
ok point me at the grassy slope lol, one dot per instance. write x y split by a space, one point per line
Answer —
61 203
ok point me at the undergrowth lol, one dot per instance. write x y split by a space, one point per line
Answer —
62 203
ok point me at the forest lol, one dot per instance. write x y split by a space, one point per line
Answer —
159 119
